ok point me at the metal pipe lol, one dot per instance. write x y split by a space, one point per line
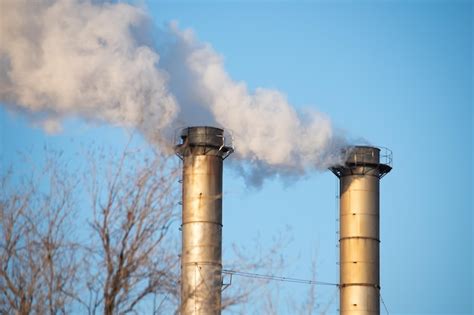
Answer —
359 230
202 150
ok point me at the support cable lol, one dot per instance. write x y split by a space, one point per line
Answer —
383 303
276 278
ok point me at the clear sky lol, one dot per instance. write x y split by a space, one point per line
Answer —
395 73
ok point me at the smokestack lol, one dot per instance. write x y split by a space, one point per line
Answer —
359 229
202 150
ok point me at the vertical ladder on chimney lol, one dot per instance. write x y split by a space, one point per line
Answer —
337 230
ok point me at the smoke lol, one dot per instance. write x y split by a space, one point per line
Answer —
75 58
98 61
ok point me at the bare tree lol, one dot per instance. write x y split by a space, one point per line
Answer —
133 257
37 258
123 257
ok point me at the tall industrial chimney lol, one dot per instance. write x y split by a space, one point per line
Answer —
359 229
202 150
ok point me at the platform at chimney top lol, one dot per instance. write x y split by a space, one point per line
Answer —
364 160
204 140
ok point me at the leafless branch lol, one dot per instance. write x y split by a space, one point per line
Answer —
134 258
37 257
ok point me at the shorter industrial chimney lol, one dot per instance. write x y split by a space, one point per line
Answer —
359 228
203 150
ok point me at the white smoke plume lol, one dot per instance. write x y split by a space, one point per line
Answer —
75 58
96 60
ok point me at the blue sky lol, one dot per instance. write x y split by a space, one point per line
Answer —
397 74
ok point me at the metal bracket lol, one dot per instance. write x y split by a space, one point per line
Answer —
226 285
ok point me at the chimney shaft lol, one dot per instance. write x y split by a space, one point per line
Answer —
202 150
359 230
